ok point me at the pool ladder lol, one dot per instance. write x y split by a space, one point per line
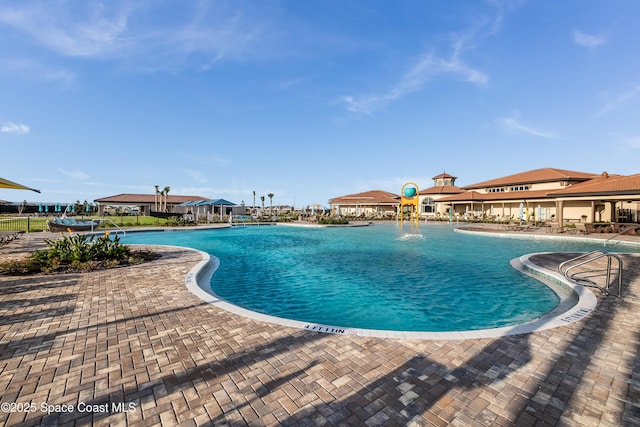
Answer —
565 268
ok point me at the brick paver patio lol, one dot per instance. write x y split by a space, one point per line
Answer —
132 346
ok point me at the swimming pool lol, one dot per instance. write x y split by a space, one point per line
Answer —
379 277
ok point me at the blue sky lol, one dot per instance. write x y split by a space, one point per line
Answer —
310 100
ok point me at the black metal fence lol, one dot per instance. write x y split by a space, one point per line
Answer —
24 223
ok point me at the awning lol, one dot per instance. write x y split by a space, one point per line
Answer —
219 202
194 203
5 183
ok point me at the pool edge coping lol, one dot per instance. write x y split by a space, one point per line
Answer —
204 270
507 235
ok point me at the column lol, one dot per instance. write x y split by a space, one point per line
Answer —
559 212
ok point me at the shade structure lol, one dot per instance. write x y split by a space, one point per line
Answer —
193 203
5 183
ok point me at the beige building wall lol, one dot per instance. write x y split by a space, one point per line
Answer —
557 185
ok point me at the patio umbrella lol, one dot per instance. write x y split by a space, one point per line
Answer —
521 211
5 183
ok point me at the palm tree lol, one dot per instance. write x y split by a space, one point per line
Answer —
156 198
165 192
262 199
270 196
161 197
254 200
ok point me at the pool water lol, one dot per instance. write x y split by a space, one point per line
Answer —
378 277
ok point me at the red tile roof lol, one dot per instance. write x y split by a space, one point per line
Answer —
604 184
442 189
467 196
147 198
444 175
473 196
537 175
368 197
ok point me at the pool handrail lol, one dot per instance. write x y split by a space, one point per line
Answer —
618 234
587 282
124 233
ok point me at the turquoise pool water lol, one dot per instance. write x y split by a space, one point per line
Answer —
377 277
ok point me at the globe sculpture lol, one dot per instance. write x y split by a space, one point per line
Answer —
410 192
409 204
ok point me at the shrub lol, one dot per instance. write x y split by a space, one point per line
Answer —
81 252
333 221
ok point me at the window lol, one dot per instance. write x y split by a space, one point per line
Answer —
496 190
519 188
428 205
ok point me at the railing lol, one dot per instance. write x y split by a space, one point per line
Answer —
24 223
124 233
589 257
618 234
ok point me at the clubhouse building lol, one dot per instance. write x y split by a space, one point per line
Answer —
544 195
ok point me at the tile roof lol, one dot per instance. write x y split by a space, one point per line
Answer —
367 197
475 196
444 175
146 198
467 196
536 175
604 184
442 189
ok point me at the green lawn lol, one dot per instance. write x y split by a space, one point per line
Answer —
33 223
130 221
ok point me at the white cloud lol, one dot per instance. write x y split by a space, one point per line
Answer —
621 100
32 69
201 34
512 125
85 31
75 174
425 69
588 40
15 128
634 142
430 66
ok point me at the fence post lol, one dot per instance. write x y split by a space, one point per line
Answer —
28 224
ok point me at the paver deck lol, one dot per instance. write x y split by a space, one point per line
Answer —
132 346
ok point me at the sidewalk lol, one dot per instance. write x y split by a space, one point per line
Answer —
133 345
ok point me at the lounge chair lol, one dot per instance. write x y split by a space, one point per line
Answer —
581 228
66 224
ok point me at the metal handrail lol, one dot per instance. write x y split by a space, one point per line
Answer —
587 282
124 233
618 234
